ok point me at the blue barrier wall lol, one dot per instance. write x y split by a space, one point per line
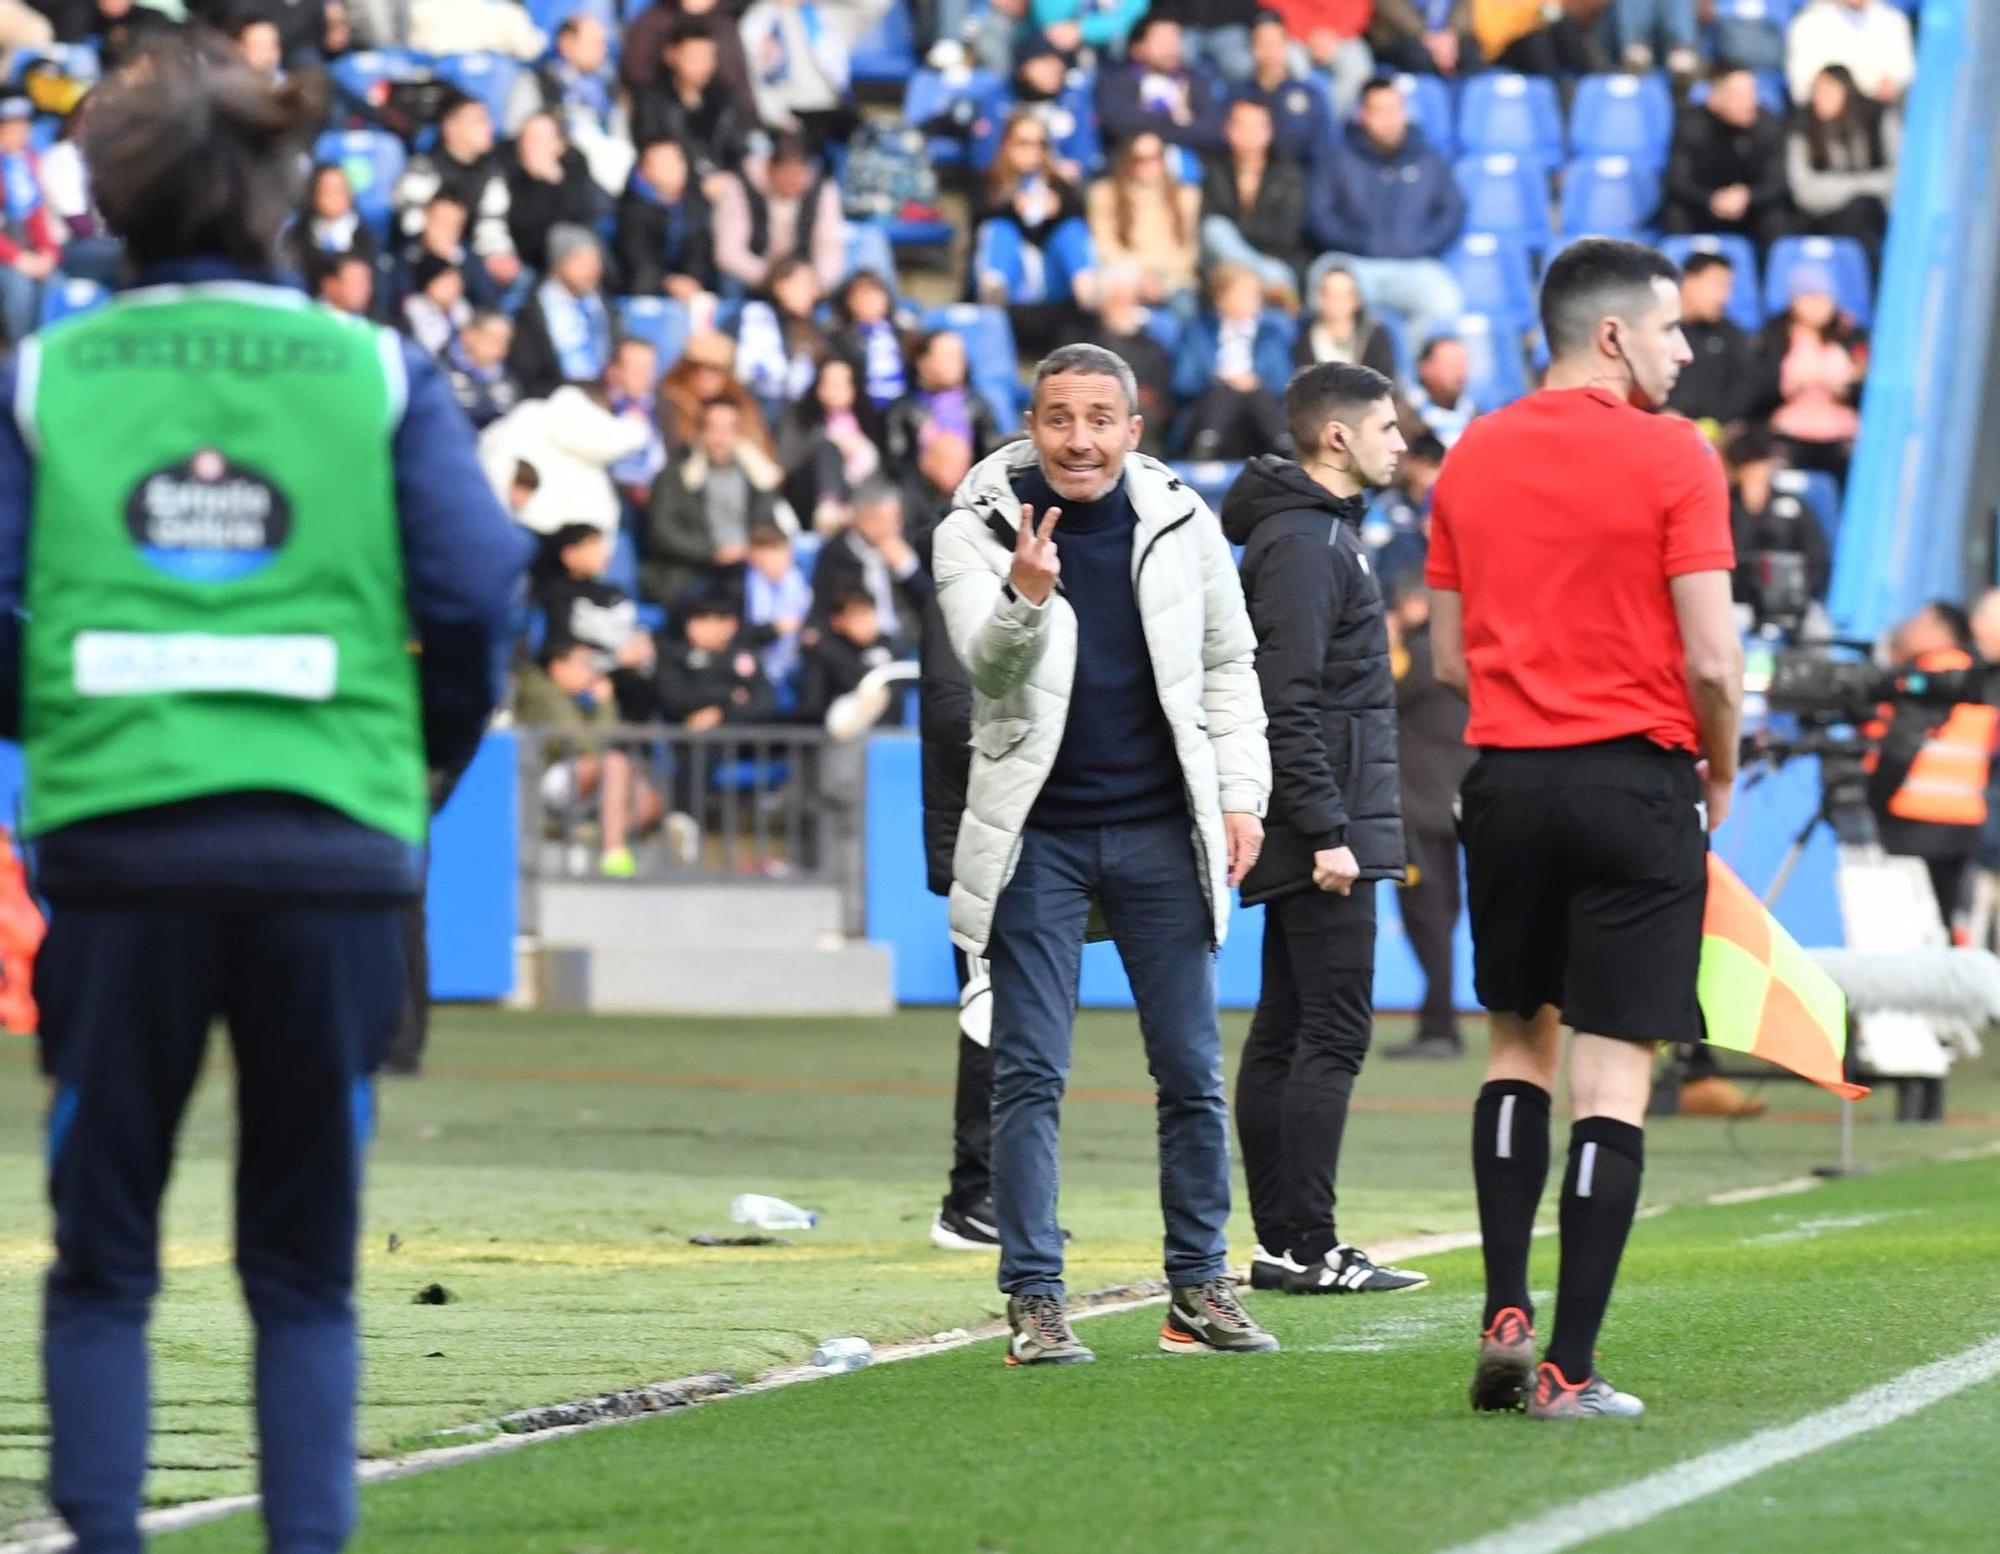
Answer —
1902 534
474 873
902 914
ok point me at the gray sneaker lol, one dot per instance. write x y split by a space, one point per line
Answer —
1554 1397
1209 1319
1042 1334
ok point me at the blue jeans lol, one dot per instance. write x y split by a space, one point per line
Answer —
1222 242
1421 292
20 303
1030 274
1225 50
1657 24
1144 878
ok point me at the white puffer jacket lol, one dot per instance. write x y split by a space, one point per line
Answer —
1022 661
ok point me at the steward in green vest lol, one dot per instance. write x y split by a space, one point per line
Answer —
254 601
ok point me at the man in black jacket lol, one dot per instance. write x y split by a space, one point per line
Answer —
1727 169
1335 821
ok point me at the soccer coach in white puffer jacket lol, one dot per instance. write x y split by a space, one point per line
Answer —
1119 776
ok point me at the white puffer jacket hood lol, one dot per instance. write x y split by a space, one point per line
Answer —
1021 659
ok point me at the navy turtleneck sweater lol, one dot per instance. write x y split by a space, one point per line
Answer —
1117 762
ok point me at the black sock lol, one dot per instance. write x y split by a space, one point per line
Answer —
1599 1197
1510 1166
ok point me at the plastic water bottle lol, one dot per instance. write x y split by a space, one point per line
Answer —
751 1208
837 1355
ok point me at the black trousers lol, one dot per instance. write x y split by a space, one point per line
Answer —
972 1110
413 1024
1430 919
1314 1016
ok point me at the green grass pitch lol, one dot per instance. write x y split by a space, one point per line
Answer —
548 1173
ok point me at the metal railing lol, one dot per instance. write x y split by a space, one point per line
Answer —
739 803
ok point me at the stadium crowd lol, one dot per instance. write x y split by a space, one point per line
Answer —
657 255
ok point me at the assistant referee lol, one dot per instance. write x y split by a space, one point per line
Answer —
1579 566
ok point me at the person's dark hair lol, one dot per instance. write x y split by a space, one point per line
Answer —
573 24
553 558
1752 445
851 599
526 476
1424 448
243 21
1593 277
1091 360
843 309
1701 263
454 102
1143 28
446 197
1724 67
791 147
765 535
1378 84
1856 131
193 153
689 29
712 603
1435 343
710 406
1954 620
1330 391
1246 97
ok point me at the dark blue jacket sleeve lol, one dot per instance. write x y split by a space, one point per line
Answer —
463 559
17 484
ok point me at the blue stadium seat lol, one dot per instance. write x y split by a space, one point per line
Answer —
373 161
1843 256
1746 301
805 551
551 14
1496 277
622 571
78 61
1499 111
1819 490
1622 115
1498 375
1506 195
1210 480
887 51
868 249
1165 327
1771 92
652 617
1609 196
67 296
355 75
489 77
630 10
933 92
920 234
989 353
1428 100
660 321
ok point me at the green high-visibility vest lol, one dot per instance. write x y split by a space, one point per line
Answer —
214 593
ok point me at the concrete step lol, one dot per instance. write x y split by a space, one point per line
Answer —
613 914
846 978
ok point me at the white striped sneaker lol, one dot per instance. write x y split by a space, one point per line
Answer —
1347 1270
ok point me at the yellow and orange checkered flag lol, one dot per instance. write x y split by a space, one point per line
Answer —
1762 994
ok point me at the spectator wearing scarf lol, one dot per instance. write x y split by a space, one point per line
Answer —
564 333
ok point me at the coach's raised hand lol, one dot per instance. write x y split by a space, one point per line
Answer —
1036 565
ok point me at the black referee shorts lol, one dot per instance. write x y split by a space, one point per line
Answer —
1587 879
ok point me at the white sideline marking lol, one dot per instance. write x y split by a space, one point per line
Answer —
1813 1229
1632 1505
376 1469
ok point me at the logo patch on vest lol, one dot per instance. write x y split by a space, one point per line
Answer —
207 520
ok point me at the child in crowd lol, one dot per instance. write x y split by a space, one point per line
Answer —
435 312
711 676
839 658
476 363
868 337
591 673
776 601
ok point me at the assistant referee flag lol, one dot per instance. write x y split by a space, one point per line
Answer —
1762 994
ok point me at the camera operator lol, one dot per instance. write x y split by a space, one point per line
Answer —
1579 566
1927 778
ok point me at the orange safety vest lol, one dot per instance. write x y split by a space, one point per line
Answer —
1946 785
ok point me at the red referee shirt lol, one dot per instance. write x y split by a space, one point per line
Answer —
1559 520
